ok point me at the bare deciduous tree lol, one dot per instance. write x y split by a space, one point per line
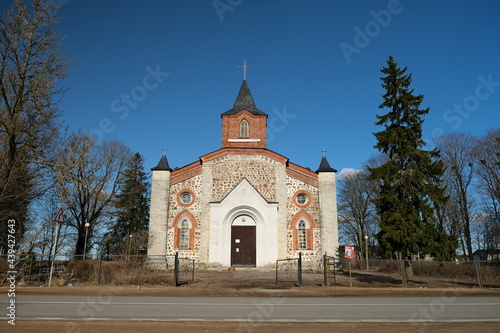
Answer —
357 213
31 65
458 153
88 183
489 184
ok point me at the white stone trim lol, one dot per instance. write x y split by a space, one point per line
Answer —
243 140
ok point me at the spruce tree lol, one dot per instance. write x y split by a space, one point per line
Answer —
132 205
410 181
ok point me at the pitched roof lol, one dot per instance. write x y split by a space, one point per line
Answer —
162 165
244 100
324 166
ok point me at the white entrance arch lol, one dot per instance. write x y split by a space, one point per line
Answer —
242 201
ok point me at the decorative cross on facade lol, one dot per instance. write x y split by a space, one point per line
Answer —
244 69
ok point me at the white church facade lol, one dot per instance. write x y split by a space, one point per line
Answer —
243 205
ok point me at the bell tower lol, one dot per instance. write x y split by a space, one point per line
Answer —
244 126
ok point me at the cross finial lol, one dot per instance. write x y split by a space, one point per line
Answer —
164 151
323 152
244 69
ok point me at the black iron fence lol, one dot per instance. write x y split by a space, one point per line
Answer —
289 270
34 270
420 272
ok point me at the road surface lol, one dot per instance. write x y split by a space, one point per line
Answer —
260 309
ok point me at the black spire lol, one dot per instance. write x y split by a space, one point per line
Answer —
162 165
324 166
244 100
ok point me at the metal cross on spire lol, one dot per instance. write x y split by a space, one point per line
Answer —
164 151
324 152
244 69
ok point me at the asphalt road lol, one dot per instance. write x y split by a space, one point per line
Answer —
301 309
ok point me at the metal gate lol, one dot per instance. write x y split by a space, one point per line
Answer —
289 270
183 270
330 267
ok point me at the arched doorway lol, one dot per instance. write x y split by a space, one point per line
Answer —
243 241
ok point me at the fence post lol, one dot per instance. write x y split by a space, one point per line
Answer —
300 269
326 268
277 267
99 268
478 272
192 275
334 271
350 276
176 269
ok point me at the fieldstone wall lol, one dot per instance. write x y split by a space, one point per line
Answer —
229 170
194 184
313 209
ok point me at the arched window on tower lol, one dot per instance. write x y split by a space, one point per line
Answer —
184 235
244 129
302 235
302 226
184 226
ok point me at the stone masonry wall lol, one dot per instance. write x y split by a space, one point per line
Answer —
292 186
194 184
229 171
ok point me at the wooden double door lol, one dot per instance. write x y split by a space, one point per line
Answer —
243 244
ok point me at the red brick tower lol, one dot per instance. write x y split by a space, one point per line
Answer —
244 126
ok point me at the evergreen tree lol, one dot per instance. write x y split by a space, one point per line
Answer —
132 205
410 181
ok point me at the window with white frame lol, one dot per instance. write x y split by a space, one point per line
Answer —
302 235
184 235
244 129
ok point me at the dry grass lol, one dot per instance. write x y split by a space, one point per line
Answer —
116 272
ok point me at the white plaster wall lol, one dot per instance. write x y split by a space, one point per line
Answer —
243 200
328 213
157 240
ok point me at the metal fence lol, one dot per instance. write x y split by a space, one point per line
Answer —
331 266
289 270
470 274
34 270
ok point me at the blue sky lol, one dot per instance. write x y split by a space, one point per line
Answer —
316 71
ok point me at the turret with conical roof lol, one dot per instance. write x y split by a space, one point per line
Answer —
324 166
158 215
162 164
328 205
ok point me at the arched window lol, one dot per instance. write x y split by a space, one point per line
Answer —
302 228
184 225
244 129
302 235
184 235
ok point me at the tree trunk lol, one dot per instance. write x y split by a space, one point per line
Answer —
408 270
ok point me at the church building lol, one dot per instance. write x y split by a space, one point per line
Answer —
243 205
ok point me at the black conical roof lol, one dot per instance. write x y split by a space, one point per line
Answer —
324 166
162 165
244 100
